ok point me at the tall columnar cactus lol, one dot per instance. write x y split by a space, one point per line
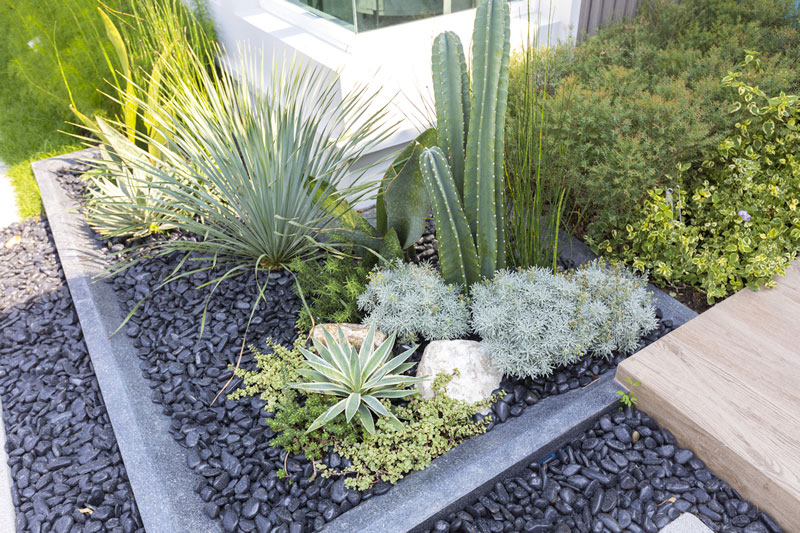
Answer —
472 140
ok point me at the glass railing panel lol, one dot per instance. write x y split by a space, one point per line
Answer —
365 15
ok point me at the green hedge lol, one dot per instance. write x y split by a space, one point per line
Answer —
642 98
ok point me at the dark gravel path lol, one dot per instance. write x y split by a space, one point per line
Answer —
603 481
67 470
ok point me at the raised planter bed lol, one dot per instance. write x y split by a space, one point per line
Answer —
157 366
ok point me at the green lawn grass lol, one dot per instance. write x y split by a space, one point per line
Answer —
29 203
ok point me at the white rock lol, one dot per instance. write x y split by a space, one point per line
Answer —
477 375
355 334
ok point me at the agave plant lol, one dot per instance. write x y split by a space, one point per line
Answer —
360 378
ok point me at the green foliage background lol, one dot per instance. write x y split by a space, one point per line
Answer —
34 102
645 96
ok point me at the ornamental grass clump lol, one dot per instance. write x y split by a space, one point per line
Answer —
361 378
412 301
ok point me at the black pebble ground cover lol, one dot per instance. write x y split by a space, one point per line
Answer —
624 474
64 460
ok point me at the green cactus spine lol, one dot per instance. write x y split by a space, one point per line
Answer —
473 138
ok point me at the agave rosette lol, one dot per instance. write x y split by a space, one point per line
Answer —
360 378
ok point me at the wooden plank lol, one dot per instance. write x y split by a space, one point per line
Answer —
595 14
583 19
607 13
727 384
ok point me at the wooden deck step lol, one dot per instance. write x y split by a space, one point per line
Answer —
727 385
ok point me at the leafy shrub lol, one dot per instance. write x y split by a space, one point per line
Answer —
735 221
621 138
413 300
293 416
533 321
330 288
642 96
274 371
628 306
360 378
431 427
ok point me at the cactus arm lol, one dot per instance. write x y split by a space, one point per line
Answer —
502 101
458 258
480 181
451 92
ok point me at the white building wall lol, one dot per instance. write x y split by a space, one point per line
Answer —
395 61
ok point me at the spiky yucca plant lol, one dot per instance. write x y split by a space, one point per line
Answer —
252 161
359 377
109 202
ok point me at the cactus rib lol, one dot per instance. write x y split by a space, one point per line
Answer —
451 90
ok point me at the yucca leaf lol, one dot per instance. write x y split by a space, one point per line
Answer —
327 372
383 351
355 370
376 357
394 393
321 374
394 380
366 349
312 375
339 358
322 388
402 369
321 349
387 368
327 416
